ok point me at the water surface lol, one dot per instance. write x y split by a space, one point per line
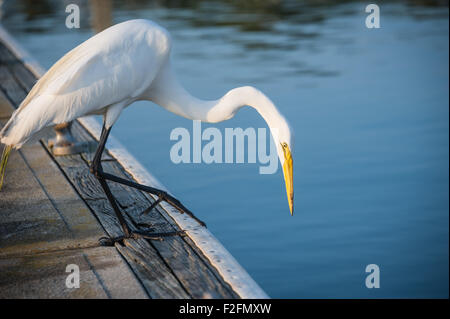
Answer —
370 112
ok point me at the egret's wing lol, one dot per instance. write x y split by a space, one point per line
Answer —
55 72
99 72
115 66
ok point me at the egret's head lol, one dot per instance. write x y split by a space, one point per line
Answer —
284 140
282 133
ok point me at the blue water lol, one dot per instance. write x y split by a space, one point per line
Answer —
370 112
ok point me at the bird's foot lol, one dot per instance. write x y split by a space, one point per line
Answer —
162 195
145 225
108 241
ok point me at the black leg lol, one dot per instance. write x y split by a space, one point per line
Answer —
162 195
97 169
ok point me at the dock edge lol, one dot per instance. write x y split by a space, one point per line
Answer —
227 266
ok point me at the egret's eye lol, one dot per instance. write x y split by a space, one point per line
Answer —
286 151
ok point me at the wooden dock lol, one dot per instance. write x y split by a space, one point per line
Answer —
53 212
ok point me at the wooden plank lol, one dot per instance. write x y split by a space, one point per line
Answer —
189 267
157 278
22 75
6 56
44 276
90 190
26 209
19 71
13 91
186 264
184 258
188 272
192 272
8 82
6 108
44 227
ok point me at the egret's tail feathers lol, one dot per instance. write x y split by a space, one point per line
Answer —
3 162
25 122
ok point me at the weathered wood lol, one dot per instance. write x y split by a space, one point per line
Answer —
6 108
43 275
44 227
172 268
6 56
157 278
190 268
12 90
18 70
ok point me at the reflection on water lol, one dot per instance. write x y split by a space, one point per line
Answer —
101 14
369 108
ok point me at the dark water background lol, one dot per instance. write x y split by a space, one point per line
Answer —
370 111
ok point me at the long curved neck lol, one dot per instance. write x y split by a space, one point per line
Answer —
167 92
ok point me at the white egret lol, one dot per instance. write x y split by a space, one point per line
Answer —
106 73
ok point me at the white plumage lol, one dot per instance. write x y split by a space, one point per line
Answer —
114 66
122 64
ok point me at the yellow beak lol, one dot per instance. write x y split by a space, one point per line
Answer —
289 178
